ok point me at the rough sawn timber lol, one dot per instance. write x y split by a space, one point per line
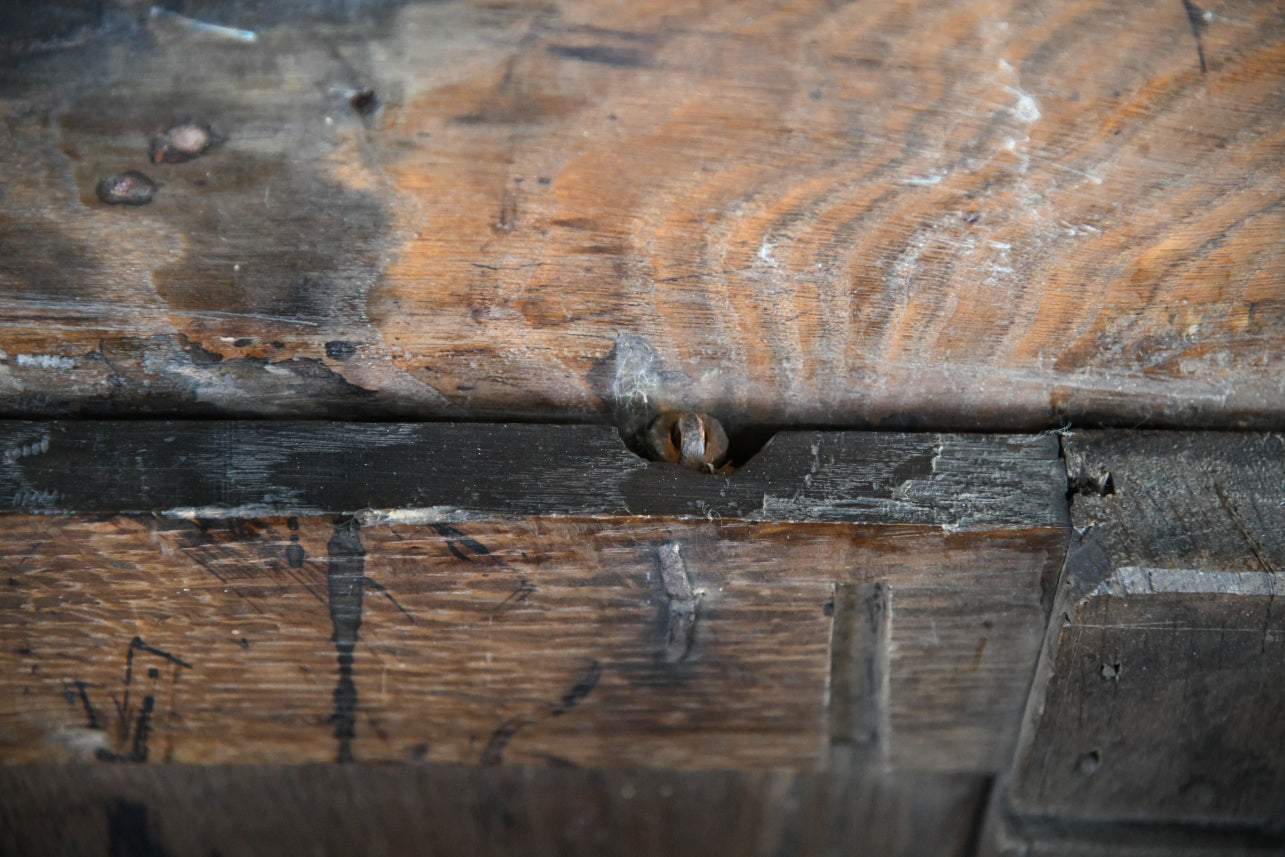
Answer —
893 213
1157 720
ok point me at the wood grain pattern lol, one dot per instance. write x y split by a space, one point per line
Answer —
537 641
1182 500
217 469
484 563
1157 719
336 810
955 213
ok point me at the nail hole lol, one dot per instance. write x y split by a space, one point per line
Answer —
365 102
1096 482
1088 763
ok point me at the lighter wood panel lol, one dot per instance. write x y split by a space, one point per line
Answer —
542 641
947 213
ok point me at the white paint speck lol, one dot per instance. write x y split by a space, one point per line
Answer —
930 179
45 361
1026 109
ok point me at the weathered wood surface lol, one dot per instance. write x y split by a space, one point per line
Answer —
1182 500
964 482
335 811
469 628
1159 717
565 641
948 214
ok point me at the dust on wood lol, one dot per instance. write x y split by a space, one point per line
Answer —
945 214
1157 718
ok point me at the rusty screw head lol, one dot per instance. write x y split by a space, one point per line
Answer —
690 439
183 142
130 188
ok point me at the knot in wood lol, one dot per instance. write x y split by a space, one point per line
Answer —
689 439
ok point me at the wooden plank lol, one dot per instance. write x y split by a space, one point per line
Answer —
1182 500
531 641
964 482
468 633
1158 718
324 810
950 214
540 642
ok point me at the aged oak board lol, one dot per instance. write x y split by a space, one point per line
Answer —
1157 719
948 215
468 628
889 213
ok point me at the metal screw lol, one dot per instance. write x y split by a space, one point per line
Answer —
689 439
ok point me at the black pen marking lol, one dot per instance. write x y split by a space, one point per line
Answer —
493 753
457 542
142 730
376 586
91 715
132 732
347 581
579 690
1196 18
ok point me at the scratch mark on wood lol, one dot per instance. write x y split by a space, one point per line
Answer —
683 603
858 692
518 596
347 581
1254 547
601 54
493 753
1196 18
579 690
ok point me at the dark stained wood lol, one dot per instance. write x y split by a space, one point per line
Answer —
1182 500
339 810
187 469
1158 718
1166 703
948 214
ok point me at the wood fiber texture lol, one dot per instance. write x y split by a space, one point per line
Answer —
891 213
337 810
964 482
539 641
518 593
1158 717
